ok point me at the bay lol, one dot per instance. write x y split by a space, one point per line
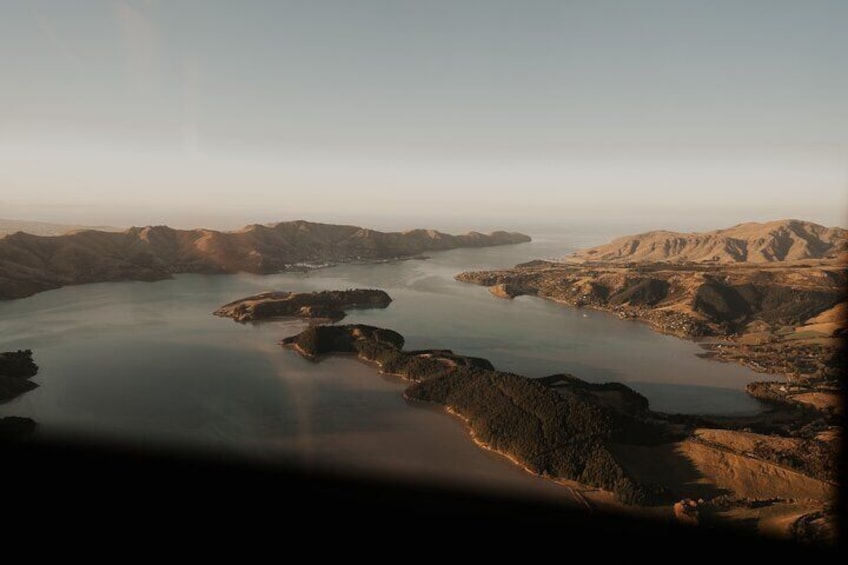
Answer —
148 362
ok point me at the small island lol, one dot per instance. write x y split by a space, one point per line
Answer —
323 305
16 368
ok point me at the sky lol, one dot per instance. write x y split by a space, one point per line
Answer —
668 113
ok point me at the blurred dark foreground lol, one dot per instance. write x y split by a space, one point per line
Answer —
147 496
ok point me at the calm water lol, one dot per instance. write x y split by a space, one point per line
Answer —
148 361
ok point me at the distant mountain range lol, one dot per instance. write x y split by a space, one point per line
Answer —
778 241
31 263
44 228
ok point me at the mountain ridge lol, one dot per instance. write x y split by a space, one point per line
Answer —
751 242
31 263
8 227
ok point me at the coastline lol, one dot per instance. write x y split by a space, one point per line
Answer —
570 486
573 414
580 492
706 343
778 320
607 450
158 252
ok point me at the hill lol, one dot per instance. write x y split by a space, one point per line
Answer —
43 228
592 436
31 263
330 305
777 318
562 432
778 241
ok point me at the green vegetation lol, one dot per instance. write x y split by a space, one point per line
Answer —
315 341
562 432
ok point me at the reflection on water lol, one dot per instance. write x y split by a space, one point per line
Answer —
148 360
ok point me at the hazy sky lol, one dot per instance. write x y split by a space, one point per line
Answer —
675 112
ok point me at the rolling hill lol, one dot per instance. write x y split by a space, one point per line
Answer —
44 228
31 263
771 242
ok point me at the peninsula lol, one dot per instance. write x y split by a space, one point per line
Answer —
324 305
563 434
775 301
605 436
780 241
30 264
